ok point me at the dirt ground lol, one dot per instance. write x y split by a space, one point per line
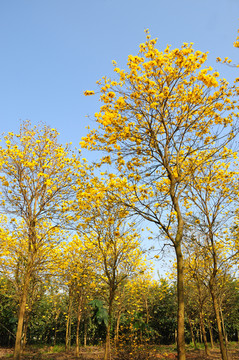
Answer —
95 353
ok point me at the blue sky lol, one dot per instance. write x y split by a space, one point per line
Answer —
54 50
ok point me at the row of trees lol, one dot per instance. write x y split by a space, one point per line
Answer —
81 261
167 126
60 220
144 311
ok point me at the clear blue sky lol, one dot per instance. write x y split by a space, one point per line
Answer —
54 50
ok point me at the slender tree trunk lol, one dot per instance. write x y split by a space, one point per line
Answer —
192 333
117 329
79 312
200 333
24 335
25 324
219 327
107 354
224 330
21 314
211 335
85 333
55 331
180 283
203 332
107 344
68 325
55 334
180 292
212 287
201 317
198 336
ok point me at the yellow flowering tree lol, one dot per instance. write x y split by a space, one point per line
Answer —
14 263
161 115
112 242
197 293
199 274
37 175
77 271
211 193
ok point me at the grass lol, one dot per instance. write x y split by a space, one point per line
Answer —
56 348
160 352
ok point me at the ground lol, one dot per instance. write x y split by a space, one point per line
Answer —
96 353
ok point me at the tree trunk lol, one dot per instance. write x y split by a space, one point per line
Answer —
224 329
180 283
201 317
85 333
200 333
203 332
68 325
192 333
213 290
107 343
180 293
79 312
55 331
107 354
25 325
117 329
211 335
198 336
24 335
219 327
21 314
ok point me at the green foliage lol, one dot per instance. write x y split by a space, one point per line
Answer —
100 314
8 315
231 309
58 348
163 317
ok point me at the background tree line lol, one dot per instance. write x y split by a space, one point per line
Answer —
146 308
